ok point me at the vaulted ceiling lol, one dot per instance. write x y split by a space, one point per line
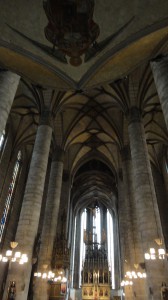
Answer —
90 103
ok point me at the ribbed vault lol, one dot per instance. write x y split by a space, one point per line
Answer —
93 123
94 181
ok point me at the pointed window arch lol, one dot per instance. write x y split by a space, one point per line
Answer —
98 237
10 195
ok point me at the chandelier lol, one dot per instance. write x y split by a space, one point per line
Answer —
71 27
52 276
126 283
14 256
158 253
132 275
135 275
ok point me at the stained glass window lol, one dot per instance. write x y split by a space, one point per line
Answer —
10 194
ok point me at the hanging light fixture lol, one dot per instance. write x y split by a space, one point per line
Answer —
135 275
51 276
126 283
131 276
158 253
14 256
70 27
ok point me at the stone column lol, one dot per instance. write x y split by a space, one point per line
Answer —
165 174
13 220
129 242
162 200
146 205
132 237
30 212
121 220
8 85
160 74
129 256
41 290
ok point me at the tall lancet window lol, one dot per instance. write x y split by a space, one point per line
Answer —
110 244
93 233
10 195
97 242
2 140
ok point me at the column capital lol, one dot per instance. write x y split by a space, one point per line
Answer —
125 153
46 118
58 154
134 114
159 58
159 65
3 70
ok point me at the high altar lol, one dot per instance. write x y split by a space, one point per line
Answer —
96 276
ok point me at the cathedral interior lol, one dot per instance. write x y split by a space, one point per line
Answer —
83 150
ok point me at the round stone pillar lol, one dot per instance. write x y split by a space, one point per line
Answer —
160 74
128 228
8 85
41 289
125 153
146 206
30 212
132 238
